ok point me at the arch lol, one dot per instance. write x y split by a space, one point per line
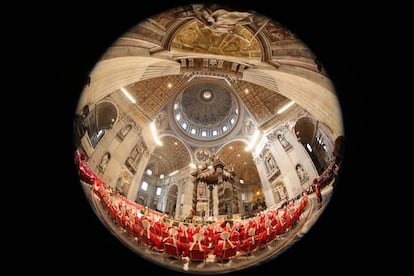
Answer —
172 197
190 34
177 158
106 114
228 193
319 141
186 145
305 129
234 154
228 202
237 139
102 117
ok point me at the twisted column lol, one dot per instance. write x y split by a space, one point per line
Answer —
194 205
221 199
210 207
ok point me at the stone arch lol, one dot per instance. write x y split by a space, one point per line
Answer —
318 140
228 201
305 129
172 198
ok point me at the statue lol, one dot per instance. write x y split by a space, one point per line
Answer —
104 161
222 21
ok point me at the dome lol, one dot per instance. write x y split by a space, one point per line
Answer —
202 115
206 109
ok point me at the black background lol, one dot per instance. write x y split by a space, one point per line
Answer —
339 35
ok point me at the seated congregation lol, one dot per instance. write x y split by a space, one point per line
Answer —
197 241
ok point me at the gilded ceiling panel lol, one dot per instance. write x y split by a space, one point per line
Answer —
261 102
236 155
171 156
274 31
199 38
152 94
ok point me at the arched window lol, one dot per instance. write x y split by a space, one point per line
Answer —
96 137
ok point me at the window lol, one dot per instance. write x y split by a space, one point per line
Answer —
205 121
144 186
158 191
149 172
243 196
94 139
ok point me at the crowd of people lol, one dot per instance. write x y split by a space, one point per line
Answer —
154 229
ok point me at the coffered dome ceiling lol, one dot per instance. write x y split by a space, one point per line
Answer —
206 103
207 73
206 110
197 82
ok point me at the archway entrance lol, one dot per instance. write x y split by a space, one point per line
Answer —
319 142
228 202
172 200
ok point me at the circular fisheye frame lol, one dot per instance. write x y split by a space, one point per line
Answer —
208 140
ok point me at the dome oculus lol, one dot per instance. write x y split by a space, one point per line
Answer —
206 109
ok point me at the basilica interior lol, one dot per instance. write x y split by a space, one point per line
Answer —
205 117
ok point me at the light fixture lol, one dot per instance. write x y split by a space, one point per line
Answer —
253 141
129 96
154 134
285 107
174 172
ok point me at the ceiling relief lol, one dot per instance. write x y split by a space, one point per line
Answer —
147 31
274 32
248 127
152 95
199 38
202 155
163 20
262 103
235 154
161 121
206 110
173 155
211 30
211 81
206 103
